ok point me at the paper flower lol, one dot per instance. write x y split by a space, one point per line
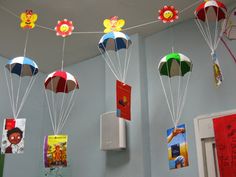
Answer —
64 28
168 14
28 19
114 24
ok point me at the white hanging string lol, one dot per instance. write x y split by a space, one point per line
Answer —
118 60
184 98
128 61
9 91
50 112
12 93
100 32
108 61
66 112
19 86
26 94
63 53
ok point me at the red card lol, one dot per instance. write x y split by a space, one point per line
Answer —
123 100
10 124
225 137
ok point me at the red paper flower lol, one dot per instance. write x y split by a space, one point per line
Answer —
168 14
64 28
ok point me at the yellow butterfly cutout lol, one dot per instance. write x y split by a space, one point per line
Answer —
28 19
114 24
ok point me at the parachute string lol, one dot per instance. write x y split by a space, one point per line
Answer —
50 111
201 29
63 53
18 92
118 59
53 104
221 33
184 97
61 109
125 62
178 98
12 94
9 91
26 42
127 66
171 93
208 30
66 112
216 29
107 58
167 100
28 89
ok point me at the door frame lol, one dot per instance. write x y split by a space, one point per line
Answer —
198 137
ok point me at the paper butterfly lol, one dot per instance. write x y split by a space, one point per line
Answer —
114 24
28 19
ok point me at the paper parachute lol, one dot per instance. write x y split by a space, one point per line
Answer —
61 81
115 49
60 89
18 70
22 66
211 21
114 24
28 19
230 29
175 64
175 72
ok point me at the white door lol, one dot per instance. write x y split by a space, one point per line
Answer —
205 142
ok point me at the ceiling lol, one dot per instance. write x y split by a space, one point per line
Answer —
87 15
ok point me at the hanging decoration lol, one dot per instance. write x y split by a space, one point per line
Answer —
175 71
20 69
28 19
123 100
116 51
113 24
13 136
211 21
177 147
64 28
55 151
230 29
168 14
60 89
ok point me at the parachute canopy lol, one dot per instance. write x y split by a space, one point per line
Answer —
203 9
114 41
61 81
230 30
175 64
22 66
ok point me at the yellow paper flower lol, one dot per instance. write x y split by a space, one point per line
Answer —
28 19
114 24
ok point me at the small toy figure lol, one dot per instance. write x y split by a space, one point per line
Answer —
114 24
28 19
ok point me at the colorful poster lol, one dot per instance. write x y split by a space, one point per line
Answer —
177 147
13 136
55 151
123 100
225 138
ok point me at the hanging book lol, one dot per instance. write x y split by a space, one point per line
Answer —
55 151
177 147
123 100
13 136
